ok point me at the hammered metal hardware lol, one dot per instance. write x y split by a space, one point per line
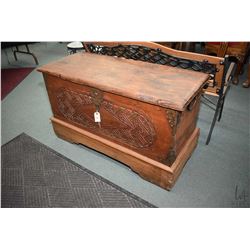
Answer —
173 117
97 96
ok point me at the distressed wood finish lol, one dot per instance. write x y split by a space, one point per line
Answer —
160 85
219 69
148 112
213 87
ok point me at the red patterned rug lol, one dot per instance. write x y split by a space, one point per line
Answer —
10 78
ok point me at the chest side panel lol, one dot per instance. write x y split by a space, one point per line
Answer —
187 123
134 124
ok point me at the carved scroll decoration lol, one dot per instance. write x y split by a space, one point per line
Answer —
173 117
146 54
69 105
131 127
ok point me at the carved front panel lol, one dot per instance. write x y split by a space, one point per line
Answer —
130 126
134 124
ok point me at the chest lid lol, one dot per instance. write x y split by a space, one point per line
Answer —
160 85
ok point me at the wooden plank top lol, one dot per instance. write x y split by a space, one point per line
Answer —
160 85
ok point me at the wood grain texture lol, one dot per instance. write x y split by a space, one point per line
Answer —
156 84
213 89
139 126
151 170
167 50
148 124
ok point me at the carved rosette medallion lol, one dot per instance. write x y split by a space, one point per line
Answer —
131 127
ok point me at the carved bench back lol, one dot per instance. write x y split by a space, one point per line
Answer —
156 53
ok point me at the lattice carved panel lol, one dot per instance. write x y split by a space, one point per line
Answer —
146 54
132 127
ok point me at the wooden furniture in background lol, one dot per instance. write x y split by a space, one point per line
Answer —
234 49
217 67
148 112
246 84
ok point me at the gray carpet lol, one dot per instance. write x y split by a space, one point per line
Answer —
34 175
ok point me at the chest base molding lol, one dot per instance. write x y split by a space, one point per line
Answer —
149 169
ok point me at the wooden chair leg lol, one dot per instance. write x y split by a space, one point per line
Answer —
238 71
246 84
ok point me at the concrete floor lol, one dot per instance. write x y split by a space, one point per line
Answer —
209 178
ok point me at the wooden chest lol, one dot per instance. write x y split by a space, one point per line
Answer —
148 112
